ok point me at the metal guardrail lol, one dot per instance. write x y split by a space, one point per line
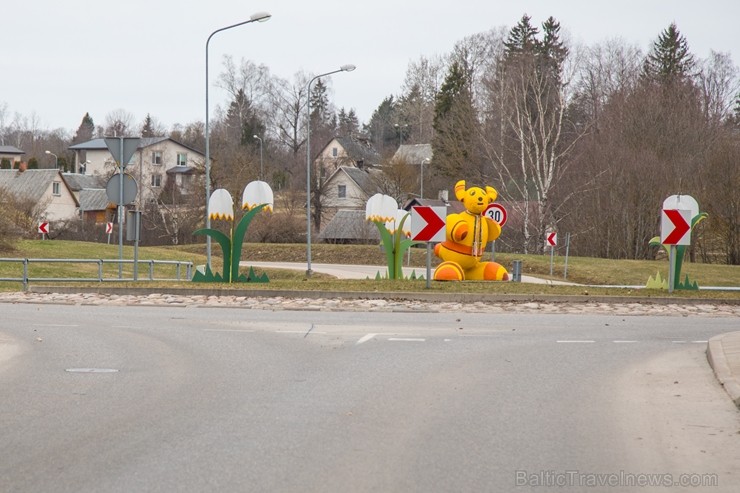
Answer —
25 278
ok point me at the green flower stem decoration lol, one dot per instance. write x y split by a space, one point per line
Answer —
232 250
395 245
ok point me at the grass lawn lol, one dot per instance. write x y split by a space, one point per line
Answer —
581 270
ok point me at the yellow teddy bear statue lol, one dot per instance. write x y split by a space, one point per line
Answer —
466 237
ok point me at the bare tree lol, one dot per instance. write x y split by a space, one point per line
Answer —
120 123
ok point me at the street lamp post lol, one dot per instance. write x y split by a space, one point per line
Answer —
258 17
421 191
343 68
261 166
56 159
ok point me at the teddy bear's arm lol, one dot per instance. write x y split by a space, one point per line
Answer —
459 231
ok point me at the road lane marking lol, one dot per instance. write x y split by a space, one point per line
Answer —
624 342
699 342
228 330
365 338
406 339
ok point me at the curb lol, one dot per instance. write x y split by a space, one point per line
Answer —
387 295
718 361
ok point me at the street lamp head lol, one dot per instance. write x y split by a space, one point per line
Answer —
255 137
260 16
347 68
48 152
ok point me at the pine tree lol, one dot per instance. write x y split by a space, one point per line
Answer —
147 129
669 59
380 127
522 38
85 131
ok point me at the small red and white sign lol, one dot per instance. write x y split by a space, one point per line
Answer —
108 228
497 212
551 238
675 227
44 228
428 223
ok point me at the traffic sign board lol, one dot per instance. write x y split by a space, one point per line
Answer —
108 228
122 148
551 238
428 223
675 227
497 212
44 228
113 191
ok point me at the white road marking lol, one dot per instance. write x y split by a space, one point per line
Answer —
228 330
678 342
365 338
699 342
624 342
406 339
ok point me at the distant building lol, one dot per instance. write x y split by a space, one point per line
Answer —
156 162
12 154
45 188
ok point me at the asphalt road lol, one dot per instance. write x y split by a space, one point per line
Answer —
121 399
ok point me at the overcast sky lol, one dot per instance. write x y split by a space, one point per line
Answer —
61 59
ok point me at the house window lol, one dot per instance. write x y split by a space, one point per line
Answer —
56 188
342 191
156 181
334 152
182 159
156 157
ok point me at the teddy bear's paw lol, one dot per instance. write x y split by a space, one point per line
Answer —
495 272
448 271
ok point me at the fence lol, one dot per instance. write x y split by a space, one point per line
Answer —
101 274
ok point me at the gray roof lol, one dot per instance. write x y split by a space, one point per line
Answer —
350 225
30 184
10 150
77 181
94 199
99 144
360 151
363 179
414 153
181 170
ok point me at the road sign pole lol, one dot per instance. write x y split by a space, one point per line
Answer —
429 264
552 256
120 213
671 267
567 250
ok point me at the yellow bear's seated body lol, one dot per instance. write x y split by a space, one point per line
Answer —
467 235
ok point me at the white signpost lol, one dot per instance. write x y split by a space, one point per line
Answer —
675 228
428 224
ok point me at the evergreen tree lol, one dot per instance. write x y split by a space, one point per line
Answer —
380 127
147 129
85 131
347 124
669 59
454 125
522 38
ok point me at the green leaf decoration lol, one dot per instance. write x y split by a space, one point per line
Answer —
238 240
225 243
657 283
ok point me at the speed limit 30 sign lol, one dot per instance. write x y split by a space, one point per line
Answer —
497 212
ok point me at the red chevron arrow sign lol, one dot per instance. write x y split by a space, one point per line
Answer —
44 228
551 238
675 227
428 223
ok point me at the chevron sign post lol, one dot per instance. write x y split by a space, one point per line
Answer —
428 224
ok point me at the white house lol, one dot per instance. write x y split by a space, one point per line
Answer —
45 188
156 161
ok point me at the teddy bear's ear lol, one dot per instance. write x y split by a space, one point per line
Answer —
460 190
492 193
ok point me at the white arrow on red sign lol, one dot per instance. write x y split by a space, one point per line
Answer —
551 238
44 228
428 223
675 227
